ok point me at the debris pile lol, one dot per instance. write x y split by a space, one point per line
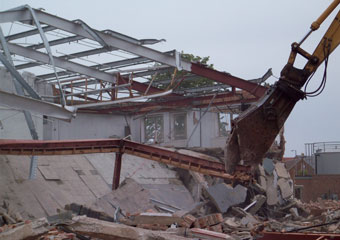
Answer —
9 216
234 211
223 211
57 234
322 205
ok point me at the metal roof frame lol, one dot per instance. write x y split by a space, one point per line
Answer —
99 75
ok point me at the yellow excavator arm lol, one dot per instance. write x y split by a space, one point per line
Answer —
256 129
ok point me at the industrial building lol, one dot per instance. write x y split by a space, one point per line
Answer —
98 123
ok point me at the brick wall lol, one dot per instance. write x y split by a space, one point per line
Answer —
318 185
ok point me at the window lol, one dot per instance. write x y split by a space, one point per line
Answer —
180 126
153 129
224 123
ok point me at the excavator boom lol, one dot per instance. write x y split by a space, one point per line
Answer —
256 129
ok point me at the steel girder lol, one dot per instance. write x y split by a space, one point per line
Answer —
222 99
61 63
66 57
75 28
67 147
116 42
33 105
74 67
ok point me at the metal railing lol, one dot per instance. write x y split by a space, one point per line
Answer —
319 147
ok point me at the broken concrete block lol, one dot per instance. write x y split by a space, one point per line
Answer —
260 200
109 230
261 170
268 166
276 177
155 218
238 212
281 170
224 196
20 232
294 212
6 216
257 188
286 187
263 182
230 222
249 221
272 195
83 210
60 218
153 227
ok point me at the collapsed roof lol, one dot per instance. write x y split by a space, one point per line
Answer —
106 71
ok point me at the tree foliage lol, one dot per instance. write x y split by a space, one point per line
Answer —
192 83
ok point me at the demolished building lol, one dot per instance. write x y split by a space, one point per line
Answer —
75 95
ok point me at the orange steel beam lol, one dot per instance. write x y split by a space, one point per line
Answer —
69 147
298 236
116 173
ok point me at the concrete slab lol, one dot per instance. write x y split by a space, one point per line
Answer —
165 195
131 197
48 173
281 170
261 171
268 166
140 169
286 187
263 182
276 177
224 196
56 185
272 195
260 200
109 230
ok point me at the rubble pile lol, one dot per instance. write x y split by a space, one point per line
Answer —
57 234
322 205
9 216
223 211
234 211
9 219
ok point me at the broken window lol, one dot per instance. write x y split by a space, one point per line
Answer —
153 126
180 126
224 123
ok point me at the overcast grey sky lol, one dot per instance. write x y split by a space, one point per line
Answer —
244 38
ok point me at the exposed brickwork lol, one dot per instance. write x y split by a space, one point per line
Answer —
317 185
188 220
209 220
